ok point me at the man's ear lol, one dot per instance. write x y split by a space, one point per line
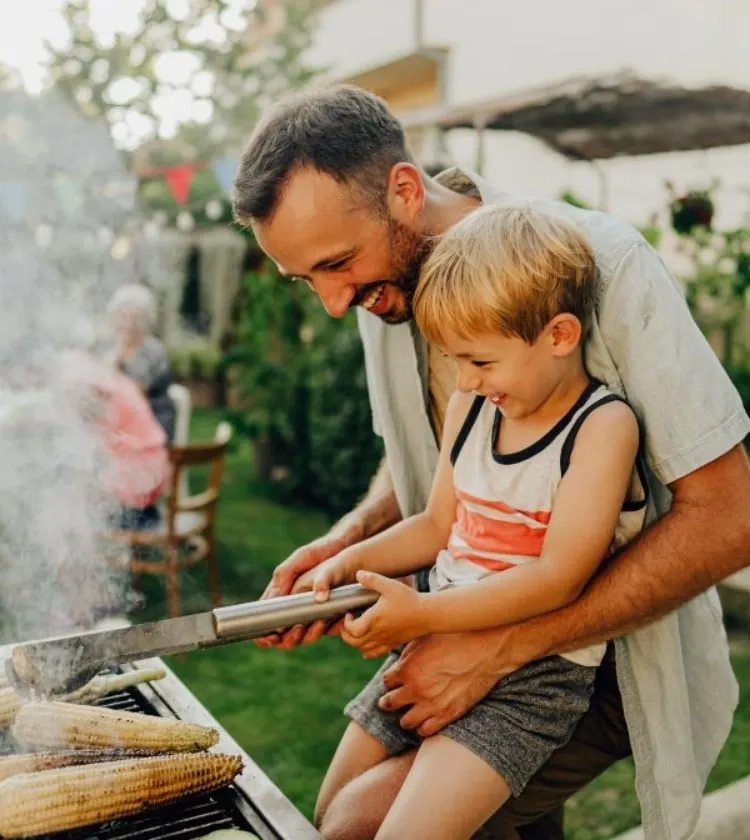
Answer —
565 333
405 192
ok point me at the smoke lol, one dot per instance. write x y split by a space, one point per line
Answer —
69 235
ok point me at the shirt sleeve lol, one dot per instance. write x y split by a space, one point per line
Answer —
691 411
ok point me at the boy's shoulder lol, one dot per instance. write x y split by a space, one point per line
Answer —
607 422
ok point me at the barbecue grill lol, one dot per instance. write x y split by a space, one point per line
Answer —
252 802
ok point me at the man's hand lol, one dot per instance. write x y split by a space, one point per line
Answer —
288 578
396 618
443 676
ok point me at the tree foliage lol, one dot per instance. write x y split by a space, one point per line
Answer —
224 84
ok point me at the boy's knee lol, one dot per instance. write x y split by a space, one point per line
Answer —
345 819
321 809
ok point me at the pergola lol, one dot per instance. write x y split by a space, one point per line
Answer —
593 119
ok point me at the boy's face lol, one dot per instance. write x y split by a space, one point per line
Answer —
515 376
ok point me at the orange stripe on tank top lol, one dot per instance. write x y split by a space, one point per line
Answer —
540 516
488 563
498 536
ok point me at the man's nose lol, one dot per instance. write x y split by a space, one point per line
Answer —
335 296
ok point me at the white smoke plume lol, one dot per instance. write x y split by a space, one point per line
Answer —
69 235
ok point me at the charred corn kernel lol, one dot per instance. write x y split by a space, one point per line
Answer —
14 765
74 797
69 726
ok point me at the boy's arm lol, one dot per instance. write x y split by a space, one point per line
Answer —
584 516
413 543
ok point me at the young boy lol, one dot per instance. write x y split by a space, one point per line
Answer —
538 481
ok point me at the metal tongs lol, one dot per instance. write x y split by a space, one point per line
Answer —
57 666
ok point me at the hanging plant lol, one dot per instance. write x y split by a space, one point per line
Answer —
693 210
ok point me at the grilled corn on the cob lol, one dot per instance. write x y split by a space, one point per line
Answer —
69 726
14 765
73 797
10 703
112 683
99 687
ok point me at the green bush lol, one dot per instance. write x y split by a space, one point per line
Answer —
344 451
193 356
740 375
300 376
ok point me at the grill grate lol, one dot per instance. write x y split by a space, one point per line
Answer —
190 819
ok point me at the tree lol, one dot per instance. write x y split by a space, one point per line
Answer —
222 82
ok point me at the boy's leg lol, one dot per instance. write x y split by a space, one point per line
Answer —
356 753
368 768
357 811
447 795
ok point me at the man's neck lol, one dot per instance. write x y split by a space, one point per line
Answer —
443 207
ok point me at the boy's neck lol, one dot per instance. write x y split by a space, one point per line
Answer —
562 398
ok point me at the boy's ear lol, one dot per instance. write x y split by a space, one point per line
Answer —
566 333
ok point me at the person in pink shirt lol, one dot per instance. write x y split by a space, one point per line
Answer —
136 466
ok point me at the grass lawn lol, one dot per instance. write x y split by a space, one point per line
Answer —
285 708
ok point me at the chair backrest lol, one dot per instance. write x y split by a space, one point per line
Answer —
195 454
180 396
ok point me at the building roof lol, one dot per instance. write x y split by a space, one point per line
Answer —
599 118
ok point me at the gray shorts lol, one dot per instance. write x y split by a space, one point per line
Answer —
515 728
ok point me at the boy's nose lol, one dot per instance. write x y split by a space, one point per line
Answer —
468 380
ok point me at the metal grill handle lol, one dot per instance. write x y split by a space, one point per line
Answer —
249 621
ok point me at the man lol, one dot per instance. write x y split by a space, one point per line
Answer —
334 198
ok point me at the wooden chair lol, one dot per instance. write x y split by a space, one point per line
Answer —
186 535
180 396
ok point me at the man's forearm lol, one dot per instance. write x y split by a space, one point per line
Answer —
377 511
699 543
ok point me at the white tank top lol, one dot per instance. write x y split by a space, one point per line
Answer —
505 501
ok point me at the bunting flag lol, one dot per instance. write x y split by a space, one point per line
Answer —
179 179
70 191
224 170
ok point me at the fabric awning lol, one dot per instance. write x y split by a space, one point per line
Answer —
596 119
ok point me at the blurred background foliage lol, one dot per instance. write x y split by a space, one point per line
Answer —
302 394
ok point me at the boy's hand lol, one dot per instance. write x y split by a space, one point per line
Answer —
396 618
328 575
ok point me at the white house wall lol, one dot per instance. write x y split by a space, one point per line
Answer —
498 47
355 35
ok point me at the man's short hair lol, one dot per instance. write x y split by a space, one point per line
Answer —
343 131
506 269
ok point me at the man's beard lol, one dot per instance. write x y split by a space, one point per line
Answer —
407 251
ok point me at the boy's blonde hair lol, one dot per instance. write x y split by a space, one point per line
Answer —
507 269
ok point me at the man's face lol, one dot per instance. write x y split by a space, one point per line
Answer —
348 253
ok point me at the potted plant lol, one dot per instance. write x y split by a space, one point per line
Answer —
692 210
195 362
